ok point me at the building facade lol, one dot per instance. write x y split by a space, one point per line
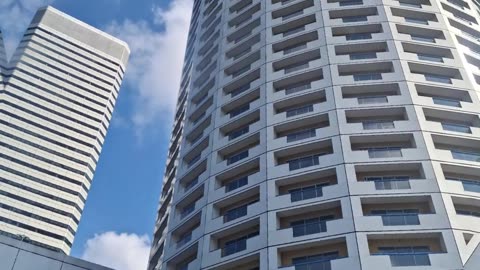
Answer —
325 134
57 96
20 255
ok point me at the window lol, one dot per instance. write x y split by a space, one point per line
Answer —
390 182
468 213
363 55
438 78
372 100
191 184
300 110
398 217
304 162
237 245
379 124
240 90
385 152
409 4
237 183
295 48
447 102
407 256
456 128
305 193
184 239
297 88
187 210
468 156
194 160
358 36
350 3
416 20
296 67
468 185
430 57
367 77
422 38
291 15
301 135
235 213
240 110
355 19
237 133
310 226
293 31
315 262
237 157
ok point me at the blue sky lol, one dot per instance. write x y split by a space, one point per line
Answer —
122 203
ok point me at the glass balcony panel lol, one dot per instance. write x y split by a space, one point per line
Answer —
363 55
355 19
438 78
237 157
295 48
370 125
423 38
416 20
430 57
372 100
468 156
456 128
367 77
358 36
447 102
299 111
297 88
388 152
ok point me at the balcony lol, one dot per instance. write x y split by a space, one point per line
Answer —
322 255
234 241
354 73
298 83
404 212
467 212
355 33
295 63
366 95
301 130
456 149
347 53
451 122
306 188
239 151
461 180
416 250
378 120
186 260
420 34
383 147
292 11
292 27
304 157
437 96
307 222
298 107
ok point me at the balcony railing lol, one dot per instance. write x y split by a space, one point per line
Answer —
237 183
301 135
235 213
456 128
468 156
315 262
299 111
390 182
468 185
237 133
297 88
363 55
304 162
240 110
422 38
305 193
430 57
398 217
355 19
294 31
237 245
438 78
383 124
372 100
407 256
367 77
310 226
237 157
447 102
358 36
295 48
386 152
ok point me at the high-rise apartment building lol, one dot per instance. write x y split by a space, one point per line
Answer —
325 134
57 96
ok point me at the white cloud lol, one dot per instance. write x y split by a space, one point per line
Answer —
15 16
154 71
118 251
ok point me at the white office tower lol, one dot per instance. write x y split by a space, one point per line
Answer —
56 102
325 135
